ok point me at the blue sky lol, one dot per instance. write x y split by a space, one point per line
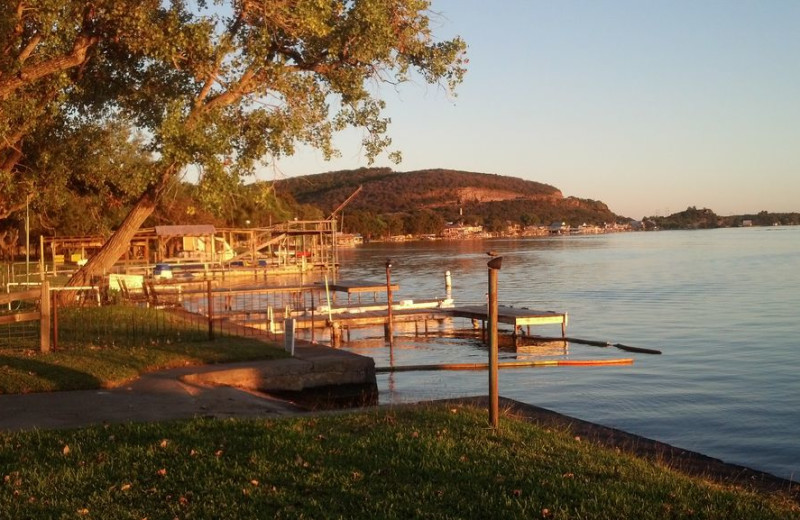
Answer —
649 106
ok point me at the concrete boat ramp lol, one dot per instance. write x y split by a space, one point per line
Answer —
315 378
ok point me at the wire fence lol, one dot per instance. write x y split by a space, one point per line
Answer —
112 324
137 311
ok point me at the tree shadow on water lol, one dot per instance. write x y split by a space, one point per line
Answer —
24 375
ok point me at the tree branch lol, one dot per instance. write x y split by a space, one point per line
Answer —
28 75
26 52
230 96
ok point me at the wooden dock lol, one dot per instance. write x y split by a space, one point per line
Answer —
419 310
517 317
324 312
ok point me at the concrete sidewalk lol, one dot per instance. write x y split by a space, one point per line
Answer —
227 390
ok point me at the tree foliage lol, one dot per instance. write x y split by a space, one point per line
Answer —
221 86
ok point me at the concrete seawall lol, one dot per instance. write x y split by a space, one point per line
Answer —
317 376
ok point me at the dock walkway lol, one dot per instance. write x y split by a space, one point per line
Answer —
518 317
349 315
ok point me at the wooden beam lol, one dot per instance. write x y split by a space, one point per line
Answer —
32 294
20 317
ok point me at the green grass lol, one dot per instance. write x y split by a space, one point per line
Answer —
420 462
101 347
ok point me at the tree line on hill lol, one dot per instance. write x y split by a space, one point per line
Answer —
425 201
390 203
704 218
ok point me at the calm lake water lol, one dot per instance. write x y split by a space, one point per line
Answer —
722 305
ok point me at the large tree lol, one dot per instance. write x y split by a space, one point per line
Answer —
45 46
218 88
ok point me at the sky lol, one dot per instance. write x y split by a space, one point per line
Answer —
649 106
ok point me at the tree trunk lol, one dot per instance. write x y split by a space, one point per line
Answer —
101 263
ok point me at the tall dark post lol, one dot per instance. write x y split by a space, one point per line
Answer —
494 406
389 332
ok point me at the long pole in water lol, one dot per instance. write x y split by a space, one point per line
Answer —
507 364
620 346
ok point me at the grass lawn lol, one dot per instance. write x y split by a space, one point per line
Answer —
101 347
408 462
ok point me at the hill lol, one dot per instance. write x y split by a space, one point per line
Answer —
693 218
438 195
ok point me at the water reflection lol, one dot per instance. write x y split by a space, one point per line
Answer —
720 304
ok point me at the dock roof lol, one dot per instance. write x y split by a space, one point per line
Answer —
189 230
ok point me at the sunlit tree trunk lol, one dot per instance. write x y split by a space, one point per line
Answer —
116 246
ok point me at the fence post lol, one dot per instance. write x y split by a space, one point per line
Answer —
210 306
44 321
54 311
41 258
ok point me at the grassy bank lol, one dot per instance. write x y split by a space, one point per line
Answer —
101 347
425 461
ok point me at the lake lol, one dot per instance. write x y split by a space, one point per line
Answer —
722 305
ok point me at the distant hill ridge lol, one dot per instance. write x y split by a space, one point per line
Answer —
454 195
406 191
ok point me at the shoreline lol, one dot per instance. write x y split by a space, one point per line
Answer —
684 461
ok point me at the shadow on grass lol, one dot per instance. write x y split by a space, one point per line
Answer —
27 370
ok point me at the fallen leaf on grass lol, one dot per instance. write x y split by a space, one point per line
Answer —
65 451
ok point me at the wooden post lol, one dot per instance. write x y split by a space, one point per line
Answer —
54 310
389 332
210 307
336 334
44 322
312 315
288 335
41 257
494 413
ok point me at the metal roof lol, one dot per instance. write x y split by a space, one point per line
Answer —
192 230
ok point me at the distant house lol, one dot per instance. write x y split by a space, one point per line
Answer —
349 239
558 228
747 223
453 230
